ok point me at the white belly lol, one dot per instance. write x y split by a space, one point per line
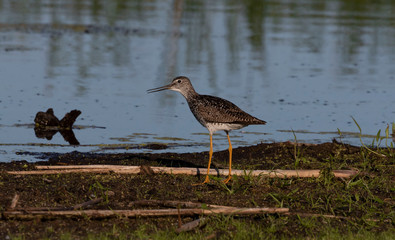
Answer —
213 127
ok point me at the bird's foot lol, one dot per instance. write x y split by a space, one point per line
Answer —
227 179
207 180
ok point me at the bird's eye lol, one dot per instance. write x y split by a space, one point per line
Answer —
179 81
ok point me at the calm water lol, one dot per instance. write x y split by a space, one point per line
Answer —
306 66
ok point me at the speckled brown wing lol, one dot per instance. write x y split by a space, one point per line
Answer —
210 109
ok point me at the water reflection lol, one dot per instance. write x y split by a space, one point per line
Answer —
304 65
89 34
67 134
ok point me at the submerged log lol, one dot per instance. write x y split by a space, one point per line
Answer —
49 120
69 119
47 125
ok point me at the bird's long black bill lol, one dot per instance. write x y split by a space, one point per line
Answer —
158 89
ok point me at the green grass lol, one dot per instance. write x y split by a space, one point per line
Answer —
222 227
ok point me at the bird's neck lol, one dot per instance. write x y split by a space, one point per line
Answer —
190 94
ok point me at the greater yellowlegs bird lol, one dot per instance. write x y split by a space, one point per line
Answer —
213 113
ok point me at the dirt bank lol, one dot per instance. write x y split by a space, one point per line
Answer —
364 202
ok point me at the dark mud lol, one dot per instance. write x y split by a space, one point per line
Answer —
366 201
261 156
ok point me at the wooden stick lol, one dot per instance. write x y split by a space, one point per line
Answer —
14 201
44 209
60 208
330 216
316 215
175 204
138 213
189 171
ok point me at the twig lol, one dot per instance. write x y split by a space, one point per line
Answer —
171 170
49 209
315 215
14 201
168 203
329 216
139 213
44 209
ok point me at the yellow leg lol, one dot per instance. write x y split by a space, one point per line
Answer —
209 161
230 160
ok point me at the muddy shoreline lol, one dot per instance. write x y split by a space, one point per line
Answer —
368 195
260 156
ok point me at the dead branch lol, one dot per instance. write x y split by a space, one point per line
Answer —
188 171
301 214
60 208
14 201
46 209
175 204
138 213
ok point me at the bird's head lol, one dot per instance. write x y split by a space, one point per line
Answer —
179 84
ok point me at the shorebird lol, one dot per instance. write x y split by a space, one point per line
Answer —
213 113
